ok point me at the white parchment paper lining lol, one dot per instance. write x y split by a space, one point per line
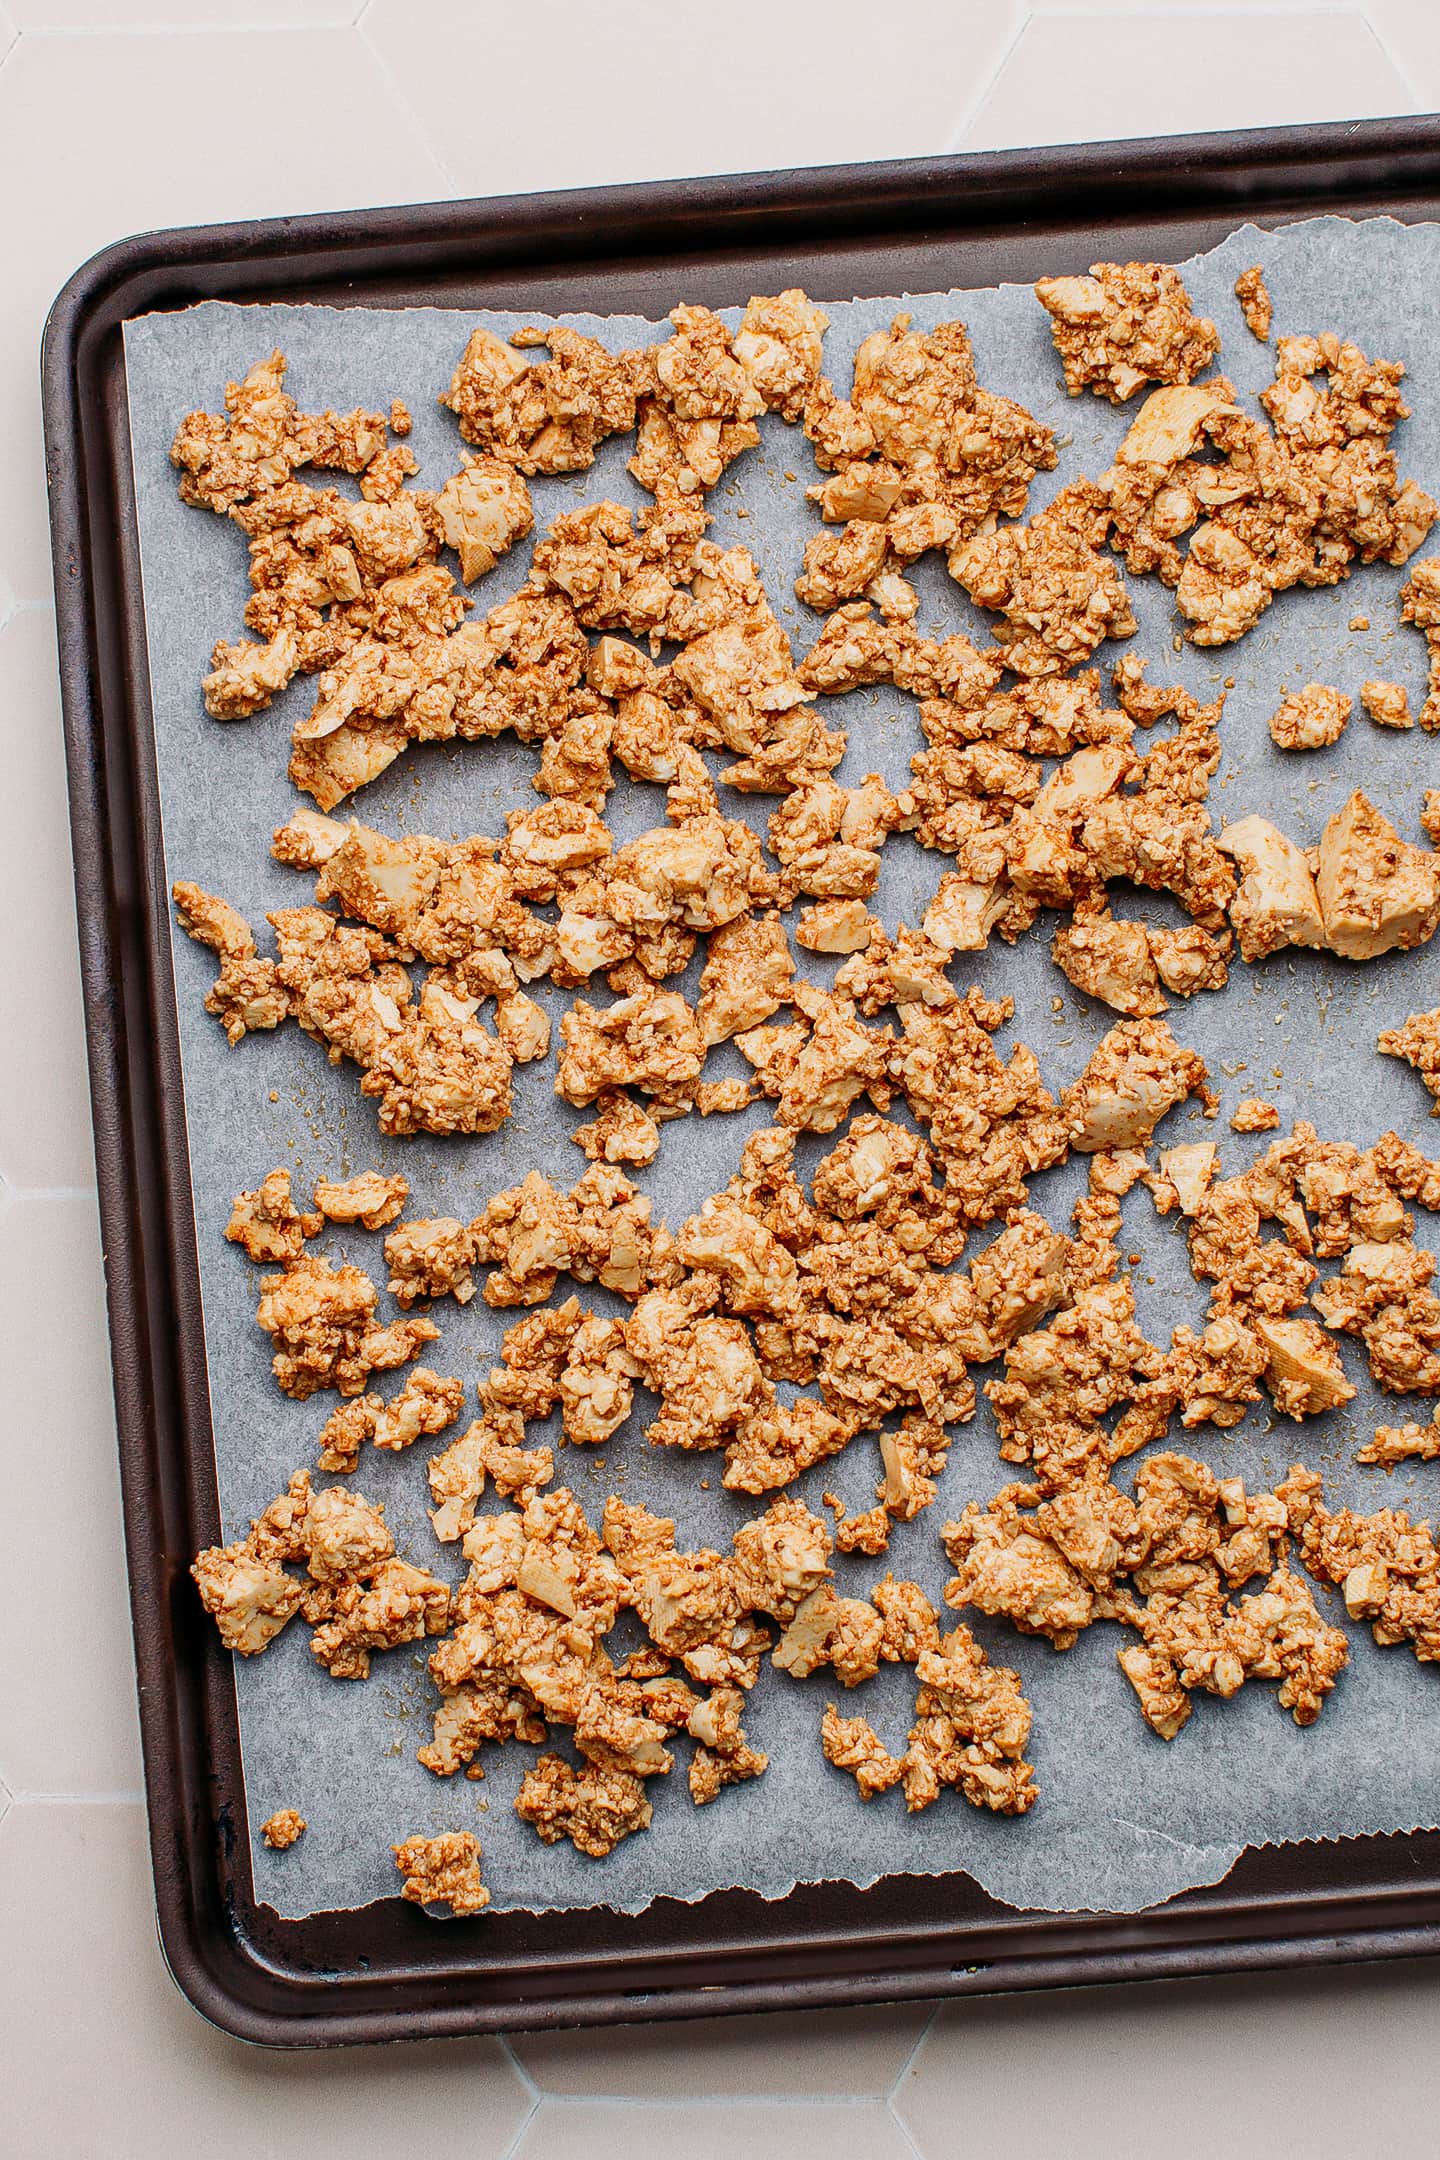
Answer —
1123 1821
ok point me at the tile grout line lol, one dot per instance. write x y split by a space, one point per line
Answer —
892 2097
77 33
11 1195
407 106
788 2102
975 105
73 1799
526 2119
1422 101
1193 11
519 2068
909 2063
903 2130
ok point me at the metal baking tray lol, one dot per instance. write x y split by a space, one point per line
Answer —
386 1972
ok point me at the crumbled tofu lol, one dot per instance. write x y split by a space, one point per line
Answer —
399 1604
779 344
368 1199
621 1133
443 1870
1418 1043
1125 325
1323 482
322 1322
791 1314
1387 704
542 416
1410 1442
1254 297
1302 1366
249 1599
268 1225
1007 1565
264 439
650 1041
1254 1115
835 926
482 511
1111 961
723 1756
595 1808
1195 1638
972 1723
851 1744
1056 595
284 1829
1420 604
431 1259
1190 1171
425 1405
348 1428
1386 1568
1383 1295
1310 719
1277 903
247 995
1136 1075
490 1448
920 456
1376 892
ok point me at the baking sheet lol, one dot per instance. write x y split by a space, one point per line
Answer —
1123 1820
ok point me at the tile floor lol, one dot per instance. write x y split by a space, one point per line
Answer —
121 114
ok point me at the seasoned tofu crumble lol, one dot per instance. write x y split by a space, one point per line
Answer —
878 1237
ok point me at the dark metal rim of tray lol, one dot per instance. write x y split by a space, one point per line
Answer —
387 1972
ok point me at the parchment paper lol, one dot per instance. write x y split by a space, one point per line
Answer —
1123 1820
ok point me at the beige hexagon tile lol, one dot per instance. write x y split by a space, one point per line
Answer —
1207 2067
1076 77
8 34
67 1708
1409 30
1123 9
103 2057
44 1096
142 15
180 130
717 2130
637 92
859 2053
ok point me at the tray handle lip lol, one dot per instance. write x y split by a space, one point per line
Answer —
218 1974
972 173
215 1990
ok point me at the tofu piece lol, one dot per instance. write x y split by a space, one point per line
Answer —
1377 893
1310 719
1303 1366
1136 1075
963 913
1111 961
1277 903
836 926
1169 424
1387 704
1191 1170
1096 770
